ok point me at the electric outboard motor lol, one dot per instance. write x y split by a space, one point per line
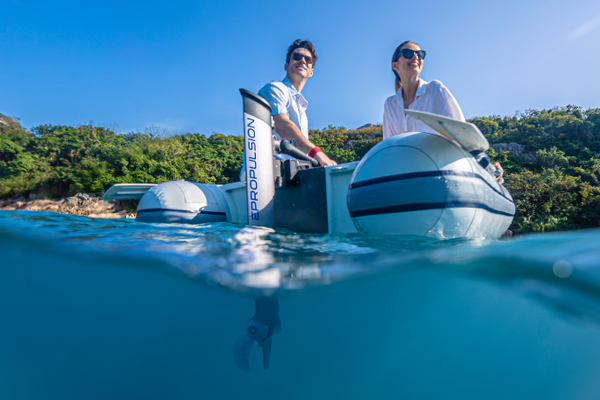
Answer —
263 172
258 155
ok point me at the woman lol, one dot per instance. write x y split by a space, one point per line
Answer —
415 94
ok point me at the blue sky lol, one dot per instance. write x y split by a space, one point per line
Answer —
178 65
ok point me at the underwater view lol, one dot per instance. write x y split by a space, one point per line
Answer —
96 309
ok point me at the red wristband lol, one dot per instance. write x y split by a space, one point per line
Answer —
314 151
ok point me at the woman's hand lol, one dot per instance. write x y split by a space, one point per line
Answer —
499 168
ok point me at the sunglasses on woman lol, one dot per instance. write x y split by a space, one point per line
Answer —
298 57
408 54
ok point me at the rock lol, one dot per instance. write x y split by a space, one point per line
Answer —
30 207
513 148
42 203
80 204
36 205
516 150
84 196
72 201
103 206
106 215
51 207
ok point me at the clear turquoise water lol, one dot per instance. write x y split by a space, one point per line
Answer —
98 309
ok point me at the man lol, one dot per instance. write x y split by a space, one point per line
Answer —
288 106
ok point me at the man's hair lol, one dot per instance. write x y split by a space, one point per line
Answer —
305 44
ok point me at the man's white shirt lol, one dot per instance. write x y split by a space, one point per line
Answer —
285 99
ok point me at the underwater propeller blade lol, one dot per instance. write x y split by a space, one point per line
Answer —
260 328
266 345
241 352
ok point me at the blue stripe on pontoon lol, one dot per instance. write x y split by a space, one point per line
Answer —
183 211
423 206
424 174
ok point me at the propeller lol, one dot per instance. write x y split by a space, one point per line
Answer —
261 328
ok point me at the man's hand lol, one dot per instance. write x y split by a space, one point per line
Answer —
288 131
324 160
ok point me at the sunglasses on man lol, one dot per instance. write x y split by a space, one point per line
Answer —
408 54
298 57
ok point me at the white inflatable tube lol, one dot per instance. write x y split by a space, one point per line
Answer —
423 184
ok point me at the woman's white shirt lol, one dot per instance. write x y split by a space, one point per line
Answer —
431 97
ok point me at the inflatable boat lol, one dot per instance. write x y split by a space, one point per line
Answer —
436 185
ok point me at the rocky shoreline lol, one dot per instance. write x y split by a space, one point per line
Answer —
86 205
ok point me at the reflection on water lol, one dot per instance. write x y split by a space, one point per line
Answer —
100 309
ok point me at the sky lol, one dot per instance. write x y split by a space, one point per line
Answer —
178 64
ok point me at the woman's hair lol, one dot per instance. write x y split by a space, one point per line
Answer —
395 56
305 44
